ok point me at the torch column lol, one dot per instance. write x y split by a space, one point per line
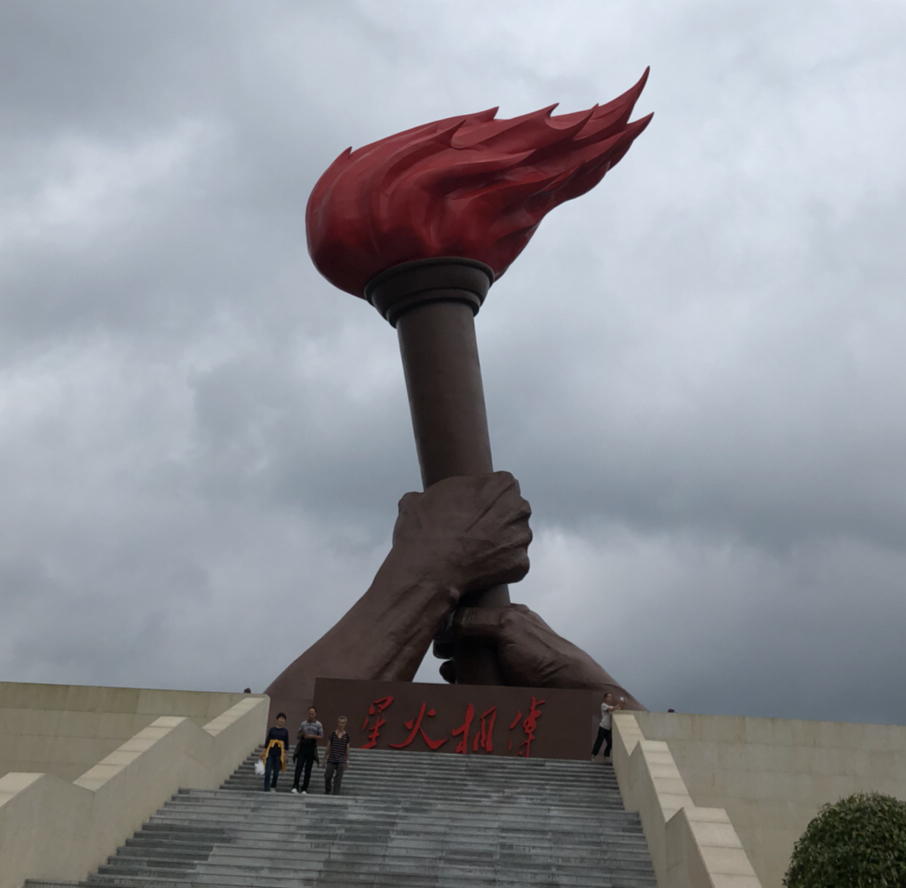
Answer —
432 304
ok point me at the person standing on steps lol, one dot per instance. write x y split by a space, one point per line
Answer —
605 728
306 754
274 754
336 760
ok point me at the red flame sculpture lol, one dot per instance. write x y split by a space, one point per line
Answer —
472 187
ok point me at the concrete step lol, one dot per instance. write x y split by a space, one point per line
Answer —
43 883
284 866
402 760
469 795
445 878
484 815
425 851
409 840
244 873
365 856
416 847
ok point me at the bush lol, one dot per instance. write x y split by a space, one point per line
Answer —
859 842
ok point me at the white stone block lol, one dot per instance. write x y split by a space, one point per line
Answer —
725 880
758 730
723 728
117 725
715 834
727 860
805 733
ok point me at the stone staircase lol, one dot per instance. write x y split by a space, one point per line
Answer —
404 819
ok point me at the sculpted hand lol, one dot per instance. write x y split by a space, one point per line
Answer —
468 532
531 653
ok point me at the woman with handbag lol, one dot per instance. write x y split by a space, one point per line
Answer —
274 754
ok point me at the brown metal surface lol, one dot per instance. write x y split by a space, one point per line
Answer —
446 397
432 304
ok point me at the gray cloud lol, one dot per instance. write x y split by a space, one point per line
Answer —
696 371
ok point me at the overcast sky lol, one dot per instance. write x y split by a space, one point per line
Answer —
696 371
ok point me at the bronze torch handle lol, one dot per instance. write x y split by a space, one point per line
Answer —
432 304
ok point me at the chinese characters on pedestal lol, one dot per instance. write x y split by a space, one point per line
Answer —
481 733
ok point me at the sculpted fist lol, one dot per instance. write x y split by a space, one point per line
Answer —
468 532
531 653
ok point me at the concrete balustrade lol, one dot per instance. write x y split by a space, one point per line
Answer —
690 847
64 729
51 828
772 776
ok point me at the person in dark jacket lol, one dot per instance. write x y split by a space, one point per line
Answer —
274 754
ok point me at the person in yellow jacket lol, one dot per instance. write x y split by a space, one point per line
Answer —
274 754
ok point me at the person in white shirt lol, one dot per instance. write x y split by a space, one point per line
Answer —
605 728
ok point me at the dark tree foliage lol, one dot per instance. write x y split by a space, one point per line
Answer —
859 842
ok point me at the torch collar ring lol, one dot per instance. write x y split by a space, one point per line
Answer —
445 279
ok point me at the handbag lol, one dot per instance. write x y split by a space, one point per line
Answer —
259 768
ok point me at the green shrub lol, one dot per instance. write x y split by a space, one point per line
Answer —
859 842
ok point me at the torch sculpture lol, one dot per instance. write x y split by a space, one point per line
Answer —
421 224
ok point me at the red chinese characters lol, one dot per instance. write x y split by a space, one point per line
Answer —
513 725
375 709
475 729
529 726
484 736
415 727
463 745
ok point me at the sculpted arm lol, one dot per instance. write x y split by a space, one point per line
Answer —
461 535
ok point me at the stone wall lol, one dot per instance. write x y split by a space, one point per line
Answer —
65 729
690 846
54 829
773 775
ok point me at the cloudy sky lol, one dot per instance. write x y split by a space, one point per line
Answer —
696 371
